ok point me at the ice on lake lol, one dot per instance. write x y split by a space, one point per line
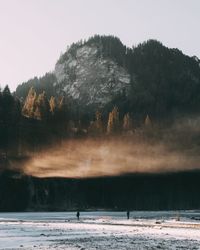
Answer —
100 230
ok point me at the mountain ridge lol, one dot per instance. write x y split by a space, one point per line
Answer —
148 78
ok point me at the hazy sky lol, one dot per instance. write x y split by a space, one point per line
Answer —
33 33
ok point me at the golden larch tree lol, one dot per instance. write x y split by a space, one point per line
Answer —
113 121
30 104
52 105
42 107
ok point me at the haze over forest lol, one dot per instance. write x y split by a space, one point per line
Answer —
88 118
102 94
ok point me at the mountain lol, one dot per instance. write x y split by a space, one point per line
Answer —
102 72
86 75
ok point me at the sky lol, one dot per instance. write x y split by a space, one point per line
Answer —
33 33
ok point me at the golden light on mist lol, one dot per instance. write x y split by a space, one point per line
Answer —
81 158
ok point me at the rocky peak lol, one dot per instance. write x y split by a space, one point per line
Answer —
87 75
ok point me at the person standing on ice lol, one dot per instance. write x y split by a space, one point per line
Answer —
128 214
78 215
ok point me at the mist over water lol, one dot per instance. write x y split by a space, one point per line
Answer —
174 149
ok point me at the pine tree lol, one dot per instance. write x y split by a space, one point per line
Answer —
7 106
8 100
1 104
6 91
9 120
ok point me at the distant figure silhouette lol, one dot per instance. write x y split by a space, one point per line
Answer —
78 215
128 213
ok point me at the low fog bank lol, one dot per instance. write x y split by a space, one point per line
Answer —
146 150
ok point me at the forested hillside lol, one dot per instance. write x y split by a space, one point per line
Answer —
106 110
102 72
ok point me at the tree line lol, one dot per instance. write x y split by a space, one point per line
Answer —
29 125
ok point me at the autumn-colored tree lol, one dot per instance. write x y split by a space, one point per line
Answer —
30 104
42 107
113 121
52 104
127 122
110 123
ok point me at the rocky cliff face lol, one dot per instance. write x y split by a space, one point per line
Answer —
87 76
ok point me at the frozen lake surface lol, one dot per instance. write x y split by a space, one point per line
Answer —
100 230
